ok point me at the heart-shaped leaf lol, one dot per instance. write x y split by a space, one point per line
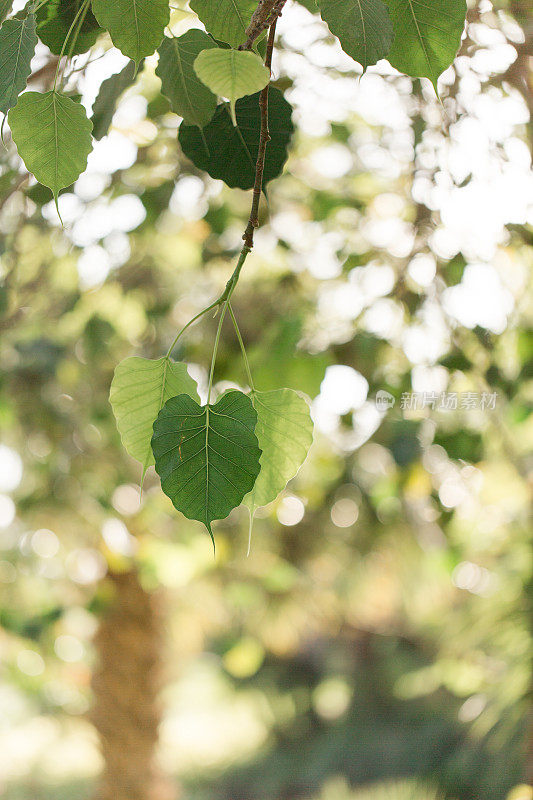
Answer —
136 27
206 456
18 41
226 20
232 74
54 20
284 431
188 96
139 389
53 137
363 27
106 101
230 153
426 35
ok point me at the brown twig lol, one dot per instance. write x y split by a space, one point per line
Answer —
264 139
263 17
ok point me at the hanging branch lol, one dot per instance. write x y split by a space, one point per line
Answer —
274 11
264 137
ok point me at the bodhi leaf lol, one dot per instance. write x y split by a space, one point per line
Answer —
53 24
226 20
363 28
284 431
139 389
136 27
106 102
17 46
230 153
53 137
426 35
232 74
179 82
206 456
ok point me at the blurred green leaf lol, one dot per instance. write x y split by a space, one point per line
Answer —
105 104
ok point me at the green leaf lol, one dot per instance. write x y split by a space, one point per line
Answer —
230 153
18 41
139 389
106 102
225 20
427 35
187 94
136 27
5 8
232 74
362 26
53 24
206 456
310 5
284 431
53 137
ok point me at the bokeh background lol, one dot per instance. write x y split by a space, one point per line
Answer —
377 643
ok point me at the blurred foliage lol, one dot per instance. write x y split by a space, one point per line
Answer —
381 628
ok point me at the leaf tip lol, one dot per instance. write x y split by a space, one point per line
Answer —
56 200
250 528
141 486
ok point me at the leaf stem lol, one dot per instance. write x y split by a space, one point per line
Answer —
250 528
243 349
215 351
37 6
81 10
225 298
77 33
188 325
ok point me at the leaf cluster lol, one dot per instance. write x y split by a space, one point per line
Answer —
196 70
211 457
242 448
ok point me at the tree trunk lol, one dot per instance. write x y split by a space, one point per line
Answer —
125 685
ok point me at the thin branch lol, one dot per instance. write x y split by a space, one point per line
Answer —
274 8
263 17
264 139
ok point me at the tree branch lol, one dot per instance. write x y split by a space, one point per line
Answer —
264 139
263 17
274 9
